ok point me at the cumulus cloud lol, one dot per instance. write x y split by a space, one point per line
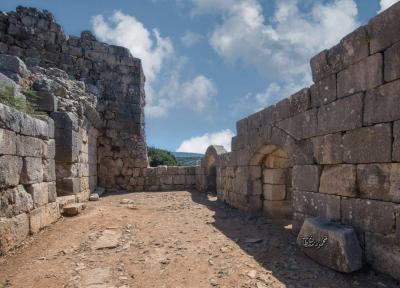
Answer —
281 45
199 144
190 38
386 4
156 52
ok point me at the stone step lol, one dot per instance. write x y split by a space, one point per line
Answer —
73 209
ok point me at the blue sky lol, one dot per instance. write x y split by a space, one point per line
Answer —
209 63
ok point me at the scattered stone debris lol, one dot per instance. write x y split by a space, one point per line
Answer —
94 197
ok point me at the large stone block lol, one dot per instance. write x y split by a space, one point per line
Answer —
362 76
328 149
379 181
382 104
241 126
32 171
7 142
369 215
383 253
10 118
34 127
39 193
10 167
274 176
306 177
274 192
324 91
15 201
383 29
13 232
392 63
29 146
368 144
300 126
316 204
52 191
65 120
43 216
330 244
68 186
277 209
178 179
299 102
396 142
338 180
341 115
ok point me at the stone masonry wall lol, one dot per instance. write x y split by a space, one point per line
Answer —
109 72
27 181
342 138
168 178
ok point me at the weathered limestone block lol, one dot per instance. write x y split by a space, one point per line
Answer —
66 153
48 149
7 142
255 187
316 204
274 176
339 180
383 253
383 29
255 172
324 91
65 120
190 180
276 162
10 118
300 126
274 192
369 215
68 186
11 64
15 201
73 209
330 244
379 181
341 115
382 104
29 146
34 127
10 167
277 208
368 144
52 191
328 149
13 231
396 142
299 102
43 216
39 193
67 170
178 179
32 170
306 177
362 76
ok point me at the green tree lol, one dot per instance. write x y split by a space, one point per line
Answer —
161 157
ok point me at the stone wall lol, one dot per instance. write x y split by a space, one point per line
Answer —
341 137
27 180
109 72
168 178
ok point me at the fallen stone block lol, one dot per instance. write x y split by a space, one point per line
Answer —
73 209
330 244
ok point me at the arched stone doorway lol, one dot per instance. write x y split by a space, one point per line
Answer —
274 168
210 167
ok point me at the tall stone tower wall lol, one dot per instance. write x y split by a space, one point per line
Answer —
109 72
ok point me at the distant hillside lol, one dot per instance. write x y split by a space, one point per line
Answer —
188 159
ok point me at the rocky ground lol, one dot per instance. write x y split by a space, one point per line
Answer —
172 239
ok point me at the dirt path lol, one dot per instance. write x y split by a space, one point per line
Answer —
173 239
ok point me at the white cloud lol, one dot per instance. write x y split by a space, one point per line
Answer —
190 39
159 60
127 31
264 98
199 144
283 45
386 4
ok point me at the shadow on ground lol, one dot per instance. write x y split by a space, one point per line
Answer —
272 244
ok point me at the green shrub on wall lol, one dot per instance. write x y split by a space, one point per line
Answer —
160 157
25 103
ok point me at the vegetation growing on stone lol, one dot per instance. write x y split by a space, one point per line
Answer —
25 103
161 157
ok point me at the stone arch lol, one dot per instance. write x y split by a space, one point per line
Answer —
210 164
270 180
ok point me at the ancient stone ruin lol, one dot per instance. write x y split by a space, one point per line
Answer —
330 151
